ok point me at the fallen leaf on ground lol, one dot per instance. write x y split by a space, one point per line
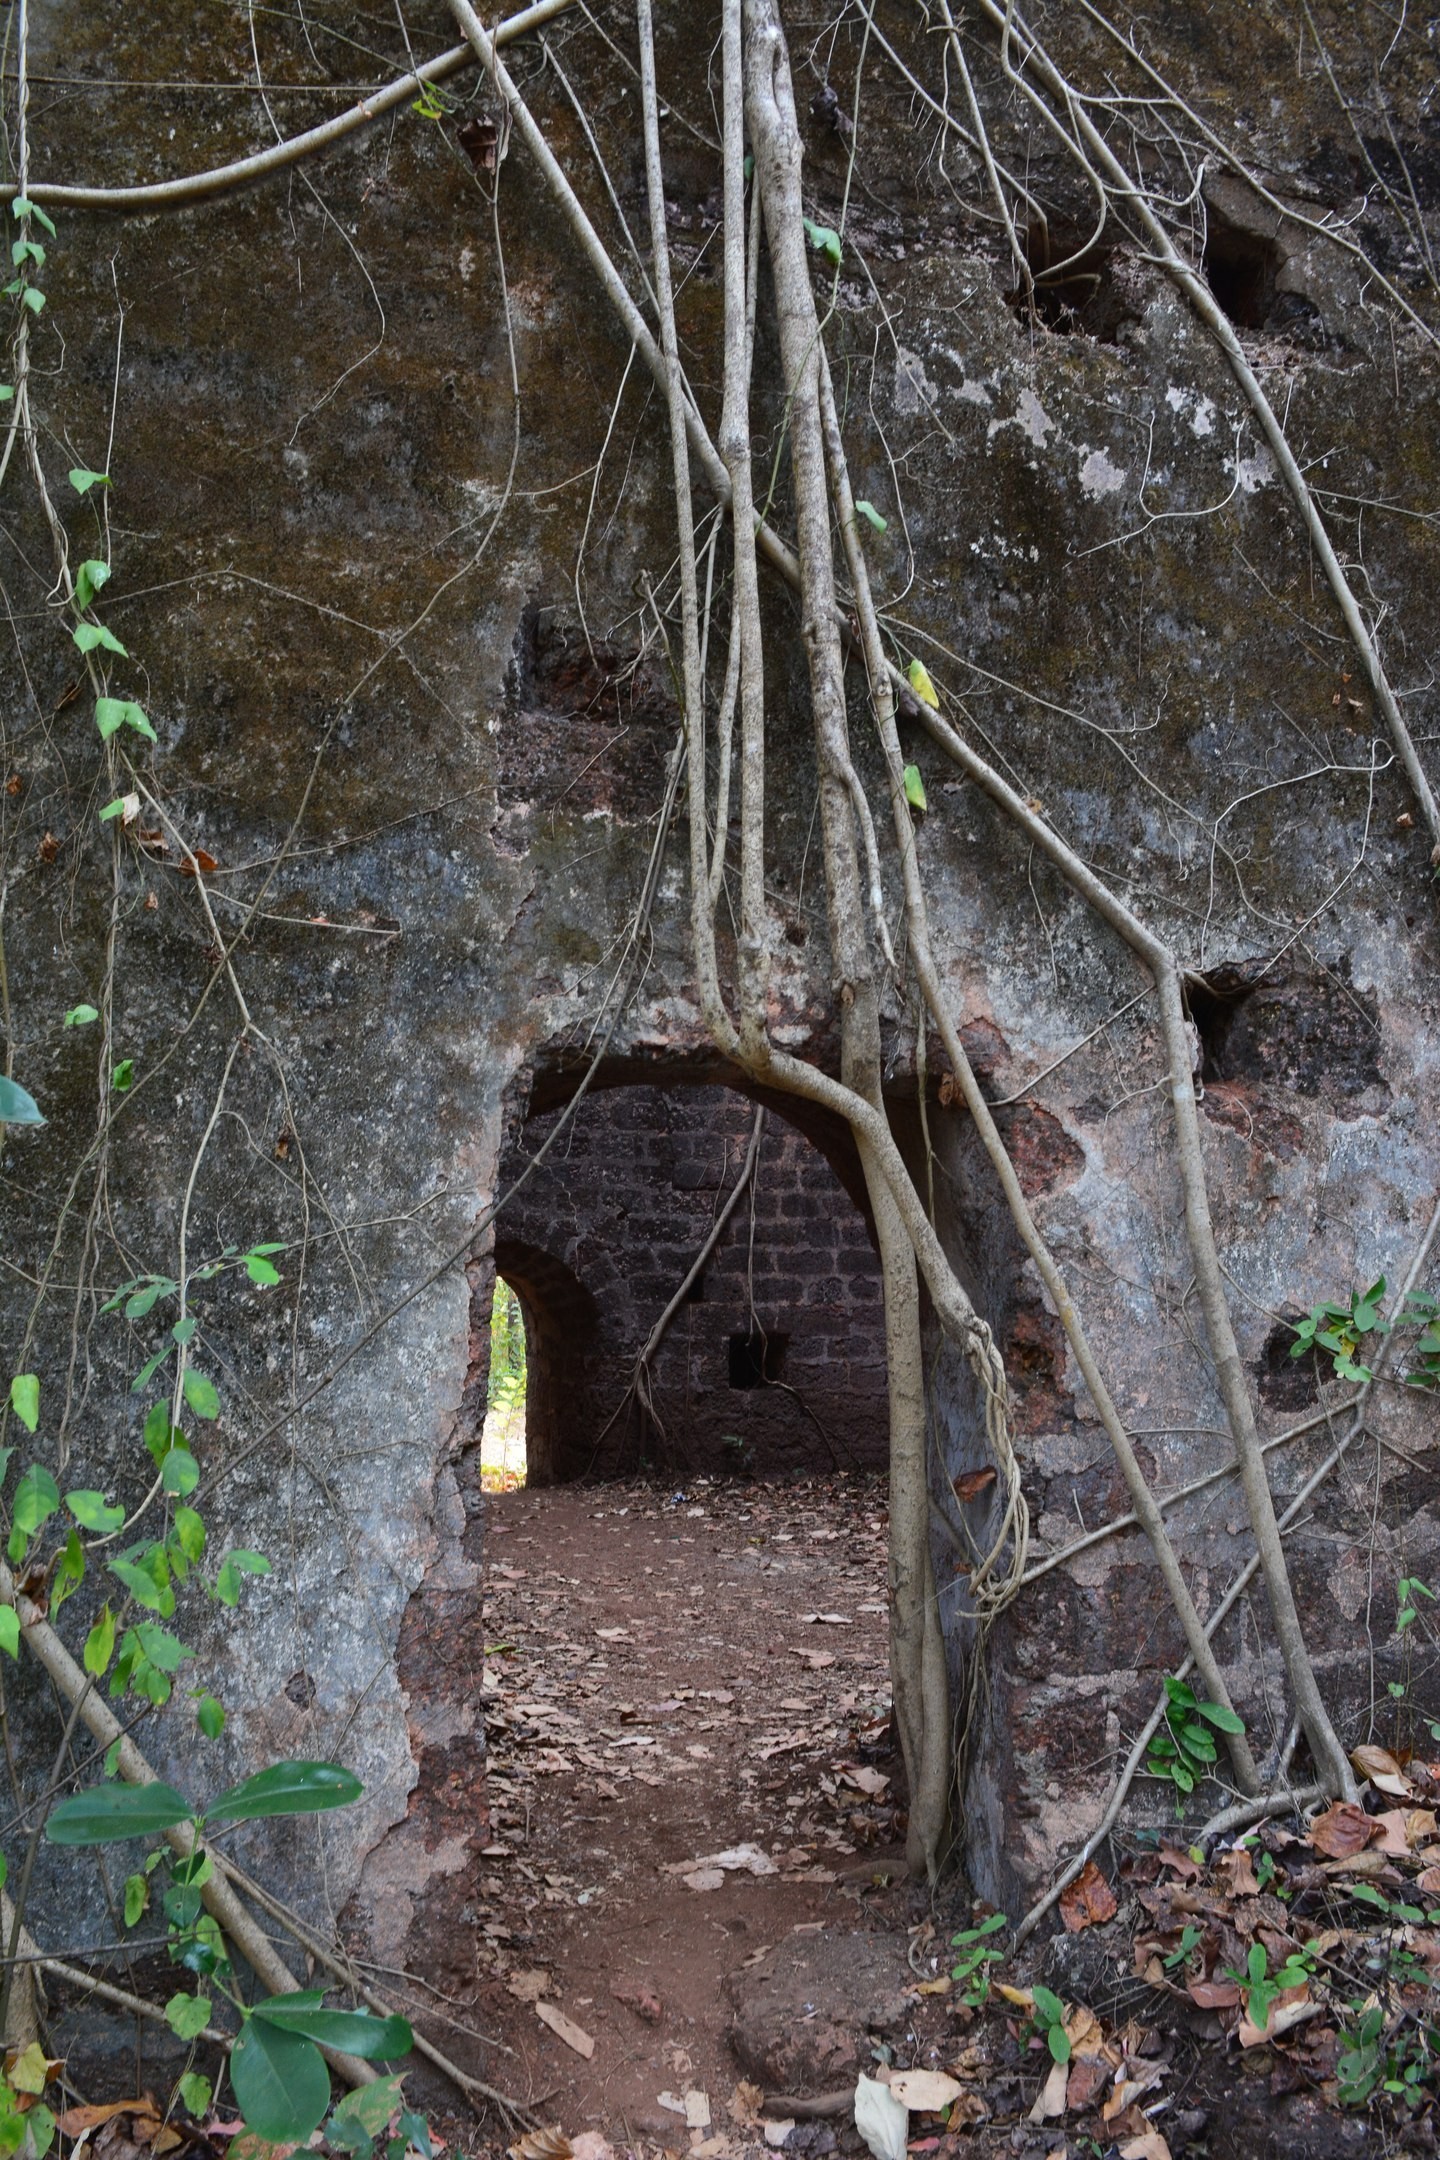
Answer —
1089 1901
925 2091
1342 1831
1150 2145
1050 2100
1187 1868
1213 1994
881 2119
745 2104
1235 1873
76 2119
697 2110
551 2144
749 1857
1383 1771
705 1878
590 2145
528 1986
1087 2082
564 2028
777 2132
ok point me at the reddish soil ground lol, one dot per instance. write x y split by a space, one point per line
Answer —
669 1678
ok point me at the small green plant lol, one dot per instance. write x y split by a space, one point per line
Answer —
1342 1330
1183 1750
1190 1940
1048 2016
279 2076
978 1952
1261 1986
1400 2062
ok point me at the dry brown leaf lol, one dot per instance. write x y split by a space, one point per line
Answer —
1213 1994
551 2144
1393 1826
592 2145
76 2119
925 2092
745 2104
1050 2100
1429 1882
973 1483
564 2028
1235 1873
1089 1901
528 1986
1084 2032
1383 1771
1150 2145
1342 1831
1188 1869
1087 2081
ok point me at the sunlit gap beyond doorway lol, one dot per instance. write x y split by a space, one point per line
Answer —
502 1439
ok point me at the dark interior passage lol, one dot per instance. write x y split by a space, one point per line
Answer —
773 1359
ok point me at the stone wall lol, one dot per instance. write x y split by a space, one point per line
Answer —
776 1359
428 754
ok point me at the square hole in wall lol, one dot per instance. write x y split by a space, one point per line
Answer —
756 1359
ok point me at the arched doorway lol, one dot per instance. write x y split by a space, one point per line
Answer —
699 1288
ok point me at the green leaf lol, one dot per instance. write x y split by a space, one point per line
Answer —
1058 2042
354 2030
25 1399
210 1716
90 637
155 1287
81 1016
201 1395
1051 2009
112 713
16 1106
914 788
22 207
22 251
286 1788
93 1512
82 479
10 1630
918 677
112 1756
36 1498
1218 1715
106 1814
137 1897
88 580
160 1646
160 1435
234 1565
184 1329
146 1591
281 2084
872 516
69 1572
100 1645
122 1079
195 2093
825 241
187 2015
179 1474
370 2107
261 1271
113 808
190 1531
32 297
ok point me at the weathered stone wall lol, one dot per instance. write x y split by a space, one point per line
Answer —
776 1359
427 754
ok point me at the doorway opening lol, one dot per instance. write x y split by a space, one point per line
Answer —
502 1437
698 1289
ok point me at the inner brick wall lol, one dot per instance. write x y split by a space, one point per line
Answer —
601 1236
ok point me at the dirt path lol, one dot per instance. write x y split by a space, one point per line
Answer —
668 1678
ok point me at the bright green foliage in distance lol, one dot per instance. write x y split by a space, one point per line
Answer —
505 1386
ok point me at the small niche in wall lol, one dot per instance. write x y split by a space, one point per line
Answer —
757 1359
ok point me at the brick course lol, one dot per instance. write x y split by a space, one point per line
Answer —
602 1235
